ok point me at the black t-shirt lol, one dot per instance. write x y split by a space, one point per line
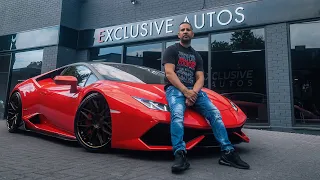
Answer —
186 60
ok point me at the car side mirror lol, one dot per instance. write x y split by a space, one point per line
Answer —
67 80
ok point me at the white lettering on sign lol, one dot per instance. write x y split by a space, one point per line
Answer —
166 26
241 78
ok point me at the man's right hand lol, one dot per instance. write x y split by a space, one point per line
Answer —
191 95
175 81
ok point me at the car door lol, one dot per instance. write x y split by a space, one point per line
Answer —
61 104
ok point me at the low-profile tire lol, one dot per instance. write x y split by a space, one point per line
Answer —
14 117
92 124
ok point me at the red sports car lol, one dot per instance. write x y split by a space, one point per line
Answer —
111 105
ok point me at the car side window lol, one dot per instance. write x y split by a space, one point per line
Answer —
69 71
92 79
82 73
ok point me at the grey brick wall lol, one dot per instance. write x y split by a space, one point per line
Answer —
97 13
49 61
70 13
57 56
22 15
278 69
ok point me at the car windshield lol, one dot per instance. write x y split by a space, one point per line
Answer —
129 73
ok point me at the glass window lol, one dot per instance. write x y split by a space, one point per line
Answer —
80 72
305 63
92 79
4 74
26 65
129 73
148 55
201 46
30 39
238 71
108 54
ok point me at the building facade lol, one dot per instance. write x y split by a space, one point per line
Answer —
264 55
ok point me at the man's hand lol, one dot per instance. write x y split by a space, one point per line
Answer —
190 95
189 102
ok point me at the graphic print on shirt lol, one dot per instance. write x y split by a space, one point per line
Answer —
186 68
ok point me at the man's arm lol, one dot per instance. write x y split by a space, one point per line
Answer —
199 74
199 81
173 78
175 81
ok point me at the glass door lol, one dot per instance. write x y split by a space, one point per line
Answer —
4 76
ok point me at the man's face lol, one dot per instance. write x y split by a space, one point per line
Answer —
185 33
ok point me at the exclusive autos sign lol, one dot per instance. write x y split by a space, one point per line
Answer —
250 13
201 21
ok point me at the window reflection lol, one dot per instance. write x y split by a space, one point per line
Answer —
129 73
108 54
201 46
239 41
4 74
41 37
26 65
305 57
238 71
148 55
92 79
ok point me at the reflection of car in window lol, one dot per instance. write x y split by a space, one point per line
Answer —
247 96
253 104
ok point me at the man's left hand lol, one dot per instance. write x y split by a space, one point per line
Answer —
189 102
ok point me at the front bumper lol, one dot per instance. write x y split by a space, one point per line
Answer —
159 135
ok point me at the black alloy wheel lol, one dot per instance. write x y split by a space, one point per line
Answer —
92 124
14 112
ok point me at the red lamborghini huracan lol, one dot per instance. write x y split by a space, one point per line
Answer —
111 105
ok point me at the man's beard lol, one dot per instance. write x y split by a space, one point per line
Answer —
185 41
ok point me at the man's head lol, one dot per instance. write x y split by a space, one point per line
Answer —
185 32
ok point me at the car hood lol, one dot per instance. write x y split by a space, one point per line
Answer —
156 93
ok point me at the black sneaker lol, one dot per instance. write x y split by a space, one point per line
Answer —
231 158
180 163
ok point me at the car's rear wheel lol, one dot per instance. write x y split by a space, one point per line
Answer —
92 124
14 112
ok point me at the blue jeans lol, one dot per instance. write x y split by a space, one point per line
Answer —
203 105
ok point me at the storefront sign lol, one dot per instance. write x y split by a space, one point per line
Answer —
237 16
201 21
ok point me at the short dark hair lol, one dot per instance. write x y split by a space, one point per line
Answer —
186 22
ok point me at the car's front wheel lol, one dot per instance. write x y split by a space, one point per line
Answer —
14 112
92 123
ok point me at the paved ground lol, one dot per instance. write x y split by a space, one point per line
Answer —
272 155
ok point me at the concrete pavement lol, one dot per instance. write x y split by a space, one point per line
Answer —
272 155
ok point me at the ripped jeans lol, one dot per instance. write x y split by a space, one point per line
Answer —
203 105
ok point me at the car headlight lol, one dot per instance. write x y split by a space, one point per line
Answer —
152 105
233 106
